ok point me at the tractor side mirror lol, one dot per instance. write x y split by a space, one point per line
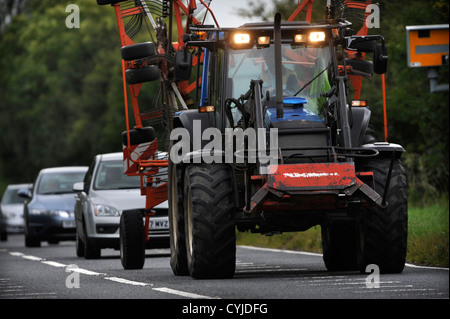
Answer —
361 44
183 65
380 58
371 44
360 67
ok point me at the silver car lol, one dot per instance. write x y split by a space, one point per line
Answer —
102 197
11 210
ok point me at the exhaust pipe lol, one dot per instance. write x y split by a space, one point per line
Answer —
278 66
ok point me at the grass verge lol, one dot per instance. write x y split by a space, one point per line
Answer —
428 236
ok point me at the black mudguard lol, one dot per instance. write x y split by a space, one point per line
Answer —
185 119
360 120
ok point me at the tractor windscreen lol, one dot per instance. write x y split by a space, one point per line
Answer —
301 66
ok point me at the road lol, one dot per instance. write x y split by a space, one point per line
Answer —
261 274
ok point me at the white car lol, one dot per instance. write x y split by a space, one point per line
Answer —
105 194
11 210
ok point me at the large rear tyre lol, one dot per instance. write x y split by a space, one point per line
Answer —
209 221
384 232
178 258
132 240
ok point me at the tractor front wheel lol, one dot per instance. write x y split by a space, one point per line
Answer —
178 259
209 221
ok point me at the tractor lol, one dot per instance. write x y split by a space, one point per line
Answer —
273 141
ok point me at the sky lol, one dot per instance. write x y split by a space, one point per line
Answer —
224 11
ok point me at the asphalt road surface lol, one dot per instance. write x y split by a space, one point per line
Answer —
54 271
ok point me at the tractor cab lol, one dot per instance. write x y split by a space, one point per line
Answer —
290 76
234 57
305 60
289 65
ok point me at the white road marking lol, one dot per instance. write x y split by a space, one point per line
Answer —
115 279
53 263
281 250
34 258
182 293
320 255
87 272
128 282
245 267
425 267
15 253
39 294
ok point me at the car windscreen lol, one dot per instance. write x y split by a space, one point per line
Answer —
11 197
110 175
58 182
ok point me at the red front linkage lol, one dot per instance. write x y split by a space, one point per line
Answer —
301 187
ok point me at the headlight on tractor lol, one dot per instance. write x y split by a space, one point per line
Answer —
241 38
315 37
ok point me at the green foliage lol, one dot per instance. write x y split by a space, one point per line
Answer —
61 97
417 119
428 232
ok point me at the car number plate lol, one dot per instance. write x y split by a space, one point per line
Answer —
159 223
68 223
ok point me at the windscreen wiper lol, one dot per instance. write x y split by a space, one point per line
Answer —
304 86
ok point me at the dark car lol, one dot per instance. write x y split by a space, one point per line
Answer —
102 198
11 210
48 212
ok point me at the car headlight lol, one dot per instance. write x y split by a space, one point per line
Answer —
47 212
105 210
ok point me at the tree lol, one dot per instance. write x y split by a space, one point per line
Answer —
61 89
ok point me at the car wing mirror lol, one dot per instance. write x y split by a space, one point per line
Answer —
24 193
78 187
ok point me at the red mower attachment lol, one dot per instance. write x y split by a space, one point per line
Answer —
141 157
